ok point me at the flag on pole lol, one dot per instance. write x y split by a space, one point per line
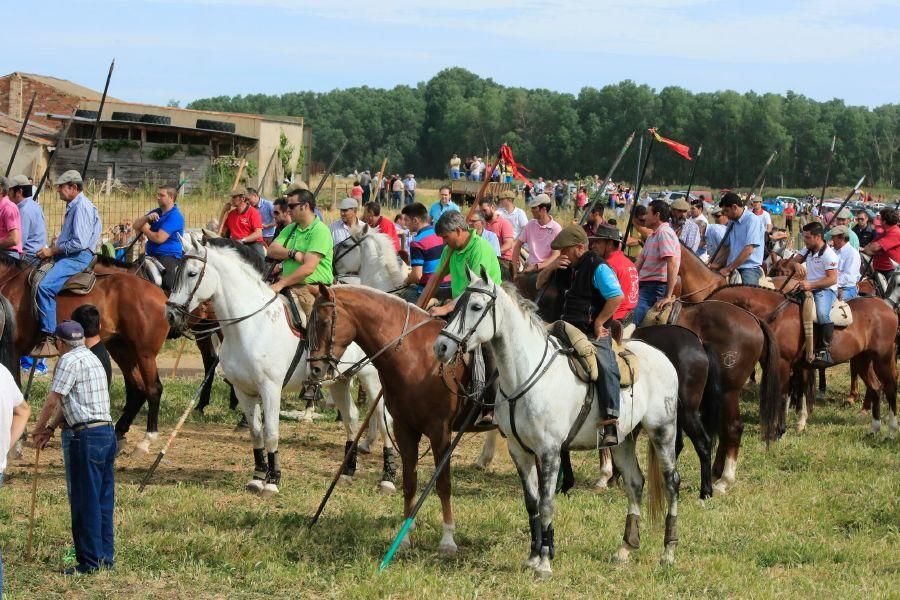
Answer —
678 147
516 168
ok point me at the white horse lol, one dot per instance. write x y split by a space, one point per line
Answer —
370 254
259 348
539 405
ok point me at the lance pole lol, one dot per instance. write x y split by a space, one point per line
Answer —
87 158
693 170
637 191
599 195
827 173
329 169
60 138
21 133
846 200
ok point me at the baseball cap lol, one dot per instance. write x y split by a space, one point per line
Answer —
69 331
71 176
348 203
680 204
18 180
844 214
508 194
840 230
539 200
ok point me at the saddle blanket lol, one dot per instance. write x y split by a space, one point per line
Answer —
583 356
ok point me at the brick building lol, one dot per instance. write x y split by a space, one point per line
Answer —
54 96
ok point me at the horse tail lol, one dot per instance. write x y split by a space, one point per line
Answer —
656 488
711 404
771 411
9 358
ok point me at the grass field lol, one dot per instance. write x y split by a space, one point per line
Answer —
816 515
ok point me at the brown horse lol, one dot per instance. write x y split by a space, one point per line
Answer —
133 328
419 395
864 344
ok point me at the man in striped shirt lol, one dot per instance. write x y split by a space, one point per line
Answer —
658 263
424 254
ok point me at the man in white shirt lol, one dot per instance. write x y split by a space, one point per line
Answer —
849 263
342 228
508 210
759 211
821 279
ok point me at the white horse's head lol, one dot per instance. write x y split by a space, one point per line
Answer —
194 283
371 254
473 321
347 255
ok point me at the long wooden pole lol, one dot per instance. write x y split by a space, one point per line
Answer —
60 139
90 149
846 200
827 173
34 481
329 169
347 455
21 134
599 195
693 170
637 192
262 179
377 196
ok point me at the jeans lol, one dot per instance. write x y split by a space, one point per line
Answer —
410 197
649 293
608 384
750 276
54 281
90 468
395 197
849 293
65 437
824 300
367 193
454 174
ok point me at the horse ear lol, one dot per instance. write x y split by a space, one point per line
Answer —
484 274
321 290
472 274
365 229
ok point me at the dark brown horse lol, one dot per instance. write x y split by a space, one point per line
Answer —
868 344
133 328
419 395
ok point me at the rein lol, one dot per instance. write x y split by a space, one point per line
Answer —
336 259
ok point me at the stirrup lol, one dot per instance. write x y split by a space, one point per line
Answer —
822 359
46 348
610 433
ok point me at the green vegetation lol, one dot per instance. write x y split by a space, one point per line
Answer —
816 516
113 146
558 134
164 152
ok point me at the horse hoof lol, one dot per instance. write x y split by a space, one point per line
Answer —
481 465
142 447
387 487
621 556
363 448
543 571
448 548
720 488
345 480
255 486
532 562
269 490
405 544
801 427
601 486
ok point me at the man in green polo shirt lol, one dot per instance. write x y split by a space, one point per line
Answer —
304 246
469 250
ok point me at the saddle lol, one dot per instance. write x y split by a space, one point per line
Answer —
841 315
666 316
79 284
293 309
583 356
764 281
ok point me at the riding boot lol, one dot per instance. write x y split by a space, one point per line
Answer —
608 389
823 354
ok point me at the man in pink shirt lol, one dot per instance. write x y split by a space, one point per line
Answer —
503 229
10 223
538 235
658 263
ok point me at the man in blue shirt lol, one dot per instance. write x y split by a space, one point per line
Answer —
266 212
443 204
162 226
744 245
72 253
34 231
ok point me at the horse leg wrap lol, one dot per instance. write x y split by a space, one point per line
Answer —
350 467
547 541
632 535
390 466
671 529
534 523
259 464
274 473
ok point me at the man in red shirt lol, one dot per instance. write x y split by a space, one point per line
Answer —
373 218
242 222
503 229
606 242
886 247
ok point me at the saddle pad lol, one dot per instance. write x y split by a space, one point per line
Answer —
841 315
626 360
666 316
293 308
766 282
581 353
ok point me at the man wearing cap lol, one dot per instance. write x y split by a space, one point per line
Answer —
849 262
715 231
508 210
266 213
443 204
425 252
687 230
34 231
539 234
79 396
305 247
658 262
344 227
503 229
374 219
822 280
72 253
162 226
607 243
589 296
10 223
243 223
744 247
843 219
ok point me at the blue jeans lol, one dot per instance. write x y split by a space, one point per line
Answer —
750 276
54 281
65 437
824 300
454 174
649 293
849 293
90 469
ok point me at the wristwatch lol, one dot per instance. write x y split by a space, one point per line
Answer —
292 254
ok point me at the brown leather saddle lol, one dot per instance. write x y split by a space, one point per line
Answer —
80 284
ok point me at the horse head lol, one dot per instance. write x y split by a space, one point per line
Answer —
194 283
328 335
468 325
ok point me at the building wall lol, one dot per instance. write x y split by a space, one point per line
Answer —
31 159
15 94
269 140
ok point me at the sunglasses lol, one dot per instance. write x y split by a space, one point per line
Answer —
293 205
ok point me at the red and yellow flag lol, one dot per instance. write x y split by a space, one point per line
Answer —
678 147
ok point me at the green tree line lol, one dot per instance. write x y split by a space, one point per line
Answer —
560 135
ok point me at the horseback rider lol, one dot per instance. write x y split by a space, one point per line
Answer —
821 279
34 232
745 242
590 296
72 253
306 248
607 243
162 226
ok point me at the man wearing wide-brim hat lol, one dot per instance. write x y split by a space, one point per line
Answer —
72 253
842 219
589 295
688 231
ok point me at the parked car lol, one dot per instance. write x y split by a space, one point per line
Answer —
774 206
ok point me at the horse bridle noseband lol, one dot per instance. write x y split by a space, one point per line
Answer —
357 242
460 310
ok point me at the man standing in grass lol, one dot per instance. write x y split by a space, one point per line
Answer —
443 204
658 263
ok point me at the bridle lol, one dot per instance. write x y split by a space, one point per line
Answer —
460 311
356 243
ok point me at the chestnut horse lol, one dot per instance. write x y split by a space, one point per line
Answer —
418 393
865 344
133 328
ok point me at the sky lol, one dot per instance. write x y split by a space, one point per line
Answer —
189 49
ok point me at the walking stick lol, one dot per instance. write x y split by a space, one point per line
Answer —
184 416
846 200
27 394
21 133
827 173
476 408
329 169
34 480
347 454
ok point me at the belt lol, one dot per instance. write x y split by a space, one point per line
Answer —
90 425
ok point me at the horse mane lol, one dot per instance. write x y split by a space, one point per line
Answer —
109 261
8 260
244 252
384 247
749 285
370 291
528 308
